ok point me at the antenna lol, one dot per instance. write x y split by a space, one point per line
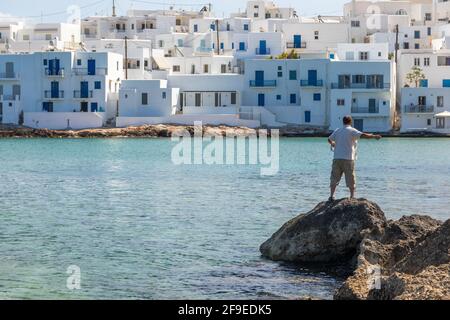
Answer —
114 9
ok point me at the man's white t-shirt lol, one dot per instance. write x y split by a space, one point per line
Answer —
346 139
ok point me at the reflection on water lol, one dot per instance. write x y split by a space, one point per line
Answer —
140 227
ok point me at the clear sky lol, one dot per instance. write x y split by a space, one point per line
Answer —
55 10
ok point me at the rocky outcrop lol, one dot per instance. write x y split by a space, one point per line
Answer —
162 131
404 259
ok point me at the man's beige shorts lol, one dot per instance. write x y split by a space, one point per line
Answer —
346 167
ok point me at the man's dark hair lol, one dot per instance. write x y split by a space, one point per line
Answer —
347 120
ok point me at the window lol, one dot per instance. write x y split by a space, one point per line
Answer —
341 102
364 55
440 123
426 62
223 68
213 27
164 95
292 74
78 62
198 99
379 53
316 35
440 101
417 34
161 43
45 62
317 97
280 74
144 98
293 98
233 98
428 122
359 78
416 46
245 27
26 37
195 28
132 26
241 46
429 31
355 24
176 68
255 15
417 62
280 68
406 45
427 16
48 37
278 96
98 85
205 68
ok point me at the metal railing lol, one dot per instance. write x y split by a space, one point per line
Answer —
263 83
419 109
87 72
8 75
83 95
48 94
293 45
311 83
356 109
360 86
55 72
9 97
263 51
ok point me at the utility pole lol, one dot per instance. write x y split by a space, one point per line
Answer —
218 40
396 43
126 58
114 9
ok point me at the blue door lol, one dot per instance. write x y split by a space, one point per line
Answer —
372 106
51 67
241 46
84 89
94 107
57 66
91 67
55 89
359 124
259 78
307 116
297 41
261 100
262 47
312 77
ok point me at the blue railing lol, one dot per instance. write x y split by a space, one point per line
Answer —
54 72
263 51
263 83
360 85
311 83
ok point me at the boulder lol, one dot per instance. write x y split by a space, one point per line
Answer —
331 232
404 259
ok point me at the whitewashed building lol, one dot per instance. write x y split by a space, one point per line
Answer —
60 90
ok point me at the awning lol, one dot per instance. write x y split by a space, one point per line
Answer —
444 114
161 62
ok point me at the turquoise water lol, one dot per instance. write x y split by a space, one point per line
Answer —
140 227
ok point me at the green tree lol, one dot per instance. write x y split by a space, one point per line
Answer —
415 75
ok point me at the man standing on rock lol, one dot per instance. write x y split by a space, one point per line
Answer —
344 141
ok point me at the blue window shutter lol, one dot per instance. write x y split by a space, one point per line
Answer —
307 116
94 107
293 98
317 97
423 83
195 28
98 84
446 83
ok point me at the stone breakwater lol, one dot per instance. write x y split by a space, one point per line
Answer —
407 259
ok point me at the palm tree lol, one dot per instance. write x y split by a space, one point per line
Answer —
415 75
